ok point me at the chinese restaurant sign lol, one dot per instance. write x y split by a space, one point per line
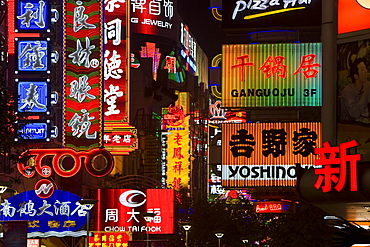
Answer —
352 15
265 154
336 170
265 75
59 212
119 239
83 75
267 14
118 210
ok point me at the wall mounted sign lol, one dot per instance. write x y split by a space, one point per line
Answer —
33 55
258 15
83 74
32 16
35 165
265 154
274 207
118 210
33 97
60 212
267 75
356 11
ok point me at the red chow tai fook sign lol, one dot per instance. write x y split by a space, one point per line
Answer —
83 74
335 170
121 210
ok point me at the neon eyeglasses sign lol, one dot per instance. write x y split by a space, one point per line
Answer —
86 158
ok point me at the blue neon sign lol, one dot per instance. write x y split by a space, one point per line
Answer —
60 212
32 15
33 55
33 97
33 131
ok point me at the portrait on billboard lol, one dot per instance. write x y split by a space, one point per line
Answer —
353 99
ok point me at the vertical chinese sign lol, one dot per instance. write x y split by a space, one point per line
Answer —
119 137
266 154
83 74
178 155
266 75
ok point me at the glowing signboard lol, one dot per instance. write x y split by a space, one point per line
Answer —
33 97
266 75
265 154
110 239
335 170
34 131
274 207
33 55
118 210
89 158
356 11
154 17
60 212
83 74
270 14
32 15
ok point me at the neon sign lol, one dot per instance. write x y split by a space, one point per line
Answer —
88 159
119 212
83 75
33 96
271 75
60 212
330 173
33 55
274 207
33 15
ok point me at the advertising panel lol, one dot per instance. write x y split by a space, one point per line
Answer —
266 154
353 121
154 18
83 74
32 16
121 210
355 11
59 212
268 75
270 14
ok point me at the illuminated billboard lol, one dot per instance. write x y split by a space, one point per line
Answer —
33 97
258 15
353 15
265 154
33 55
32 16
121 210
60 212
268 75
83 74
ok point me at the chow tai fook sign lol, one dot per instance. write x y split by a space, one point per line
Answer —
266 75
267 14
121 210
337 168
60 212
356 11
83 74
266 154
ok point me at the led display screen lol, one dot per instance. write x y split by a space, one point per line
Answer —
59 212
258 15
268 75
265 154
121 210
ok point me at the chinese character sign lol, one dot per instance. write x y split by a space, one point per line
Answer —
120 210
33 96
59 212
154 17
32 55
271 75
83 74
178 156
265 154
32 15
337 167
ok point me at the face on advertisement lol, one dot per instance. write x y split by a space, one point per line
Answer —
362 72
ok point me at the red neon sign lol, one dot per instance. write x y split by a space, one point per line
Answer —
330 172
86 158
274 207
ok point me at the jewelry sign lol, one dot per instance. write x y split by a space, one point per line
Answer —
83 75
